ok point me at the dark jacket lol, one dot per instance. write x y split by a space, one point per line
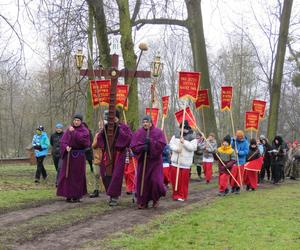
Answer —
55 143
253 154
278 151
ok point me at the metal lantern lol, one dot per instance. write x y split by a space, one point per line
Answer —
79 58
156 66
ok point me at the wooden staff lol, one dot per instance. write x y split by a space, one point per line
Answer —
181 135
203 120
235 147
162 123
124 116
68 164
219 158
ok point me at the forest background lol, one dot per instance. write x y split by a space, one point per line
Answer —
236 43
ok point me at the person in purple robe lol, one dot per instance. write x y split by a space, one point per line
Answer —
153 144
72 179
113 180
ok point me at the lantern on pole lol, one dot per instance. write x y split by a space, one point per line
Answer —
156 66
79 59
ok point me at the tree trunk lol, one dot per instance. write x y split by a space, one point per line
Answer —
129 57
277 76
89 107
196 33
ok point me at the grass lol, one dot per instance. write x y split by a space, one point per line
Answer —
266 219
18 190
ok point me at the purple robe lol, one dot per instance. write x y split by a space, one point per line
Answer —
113 184
73 186
154 179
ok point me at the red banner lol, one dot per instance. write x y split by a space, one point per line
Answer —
251 120
103 88
154 115
165 105
202 99
260 107
226 97
254 165
189 83
122 93
189 116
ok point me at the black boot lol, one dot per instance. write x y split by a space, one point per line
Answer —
94 194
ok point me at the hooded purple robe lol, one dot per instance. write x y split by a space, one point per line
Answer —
154 180
113 184
73 186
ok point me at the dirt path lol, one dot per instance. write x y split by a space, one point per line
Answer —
112 221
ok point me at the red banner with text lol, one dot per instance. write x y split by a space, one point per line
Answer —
103 89
226 97
188 85
202 99
165 105
189 116
251 120
122 93
154 115
260 107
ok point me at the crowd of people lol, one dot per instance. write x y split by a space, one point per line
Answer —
149 164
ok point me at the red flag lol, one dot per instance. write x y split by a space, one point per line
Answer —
165 105
121 97
103 89
188 116
254 165
226 97
154 115
189 83
260 107
202 99
251 120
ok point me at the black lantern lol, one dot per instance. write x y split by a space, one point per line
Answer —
156 66
79 58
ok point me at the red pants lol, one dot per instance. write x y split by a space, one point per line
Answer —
183 182
129 174
239 177
250 178
207 169
166 175
223 181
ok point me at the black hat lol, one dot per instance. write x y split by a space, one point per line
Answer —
186 125
227 138
253 142
147 118
78 116
40 128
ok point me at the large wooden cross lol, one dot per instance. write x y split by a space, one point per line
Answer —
113 73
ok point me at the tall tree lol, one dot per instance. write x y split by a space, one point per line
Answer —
278 70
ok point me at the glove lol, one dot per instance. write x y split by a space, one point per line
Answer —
37 147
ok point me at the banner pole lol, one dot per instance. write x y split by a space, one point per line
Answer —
236 153
181 135
203 120
162 123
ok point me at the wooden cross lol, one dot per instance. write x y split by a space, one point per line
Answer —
113 73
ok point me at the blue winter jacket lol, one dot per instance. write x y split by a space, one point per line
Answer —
243 149
43 141
166 154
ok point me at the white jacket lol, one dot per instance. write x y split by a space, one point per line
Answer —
185 158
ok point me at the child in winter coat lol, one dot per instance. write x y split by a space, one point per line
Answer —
226 159
209 147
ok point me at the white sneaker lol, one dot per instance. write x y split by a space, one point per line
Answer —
180 199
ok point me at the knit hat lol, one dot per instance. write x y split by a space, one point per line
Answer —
253 142
78 116
296 142
59 125
227 138
147 118
262 137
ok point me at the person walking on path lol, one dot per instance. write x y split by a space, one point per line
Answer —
72 177
40 144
